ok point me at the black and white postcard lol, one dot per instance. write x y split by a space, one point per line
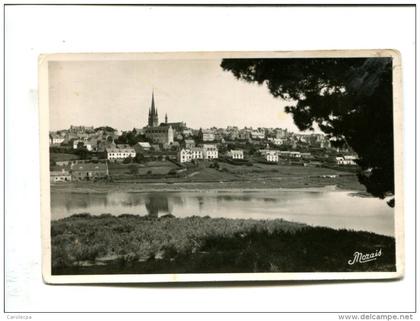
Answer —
222 166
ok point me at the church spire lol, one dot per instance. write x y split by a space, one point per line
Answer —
166 118
153 114
153 111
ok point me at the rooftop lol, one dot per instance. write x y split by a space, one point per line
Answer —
144 144
120 150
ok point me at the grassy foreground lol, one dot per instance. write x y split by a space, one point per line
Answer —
85 244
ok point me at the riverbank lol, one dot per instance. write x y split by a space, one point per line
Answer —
85 244
345 182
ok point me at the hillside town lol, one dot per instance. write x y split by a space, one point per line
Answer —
82 153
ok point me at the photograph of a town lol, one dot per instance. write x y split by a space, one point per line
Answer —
226 165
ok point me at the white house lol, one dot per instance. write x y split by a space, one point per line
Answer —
143 146
272 156
187 132
120 153
236 154
56 139
186 155
278 141
210 151
255 134
207 151
295 155
346 160
206 135
85 143
60 176
197 153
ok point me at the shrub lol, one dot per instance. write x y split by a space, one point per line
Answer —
127 160
202 244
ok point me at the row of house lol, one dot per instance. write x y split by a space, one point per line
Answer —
273 156
119 152
346 160
168 132
207 151
79 136
211 152
79 172
294 155
276 135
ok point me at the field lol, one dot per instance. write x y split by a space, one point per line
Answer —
85 244
279 170
63 157
120 171
157 175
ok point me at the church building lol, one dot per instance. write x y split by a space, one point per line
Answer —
161 134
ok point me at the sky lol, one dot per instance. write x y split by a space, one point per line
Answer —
198 92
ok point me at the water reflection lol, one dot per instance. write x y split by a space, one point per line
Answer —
325 208
157 204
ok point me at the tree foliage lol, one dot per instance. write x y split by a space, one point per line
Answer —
349 99
107 129
130 137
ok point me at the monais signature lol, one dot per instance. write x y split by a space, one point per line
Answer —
359 257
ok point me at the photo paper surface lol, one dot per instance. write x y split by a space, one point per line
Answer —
221 166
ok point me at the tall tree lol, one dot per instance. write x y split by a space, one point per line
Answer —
350 99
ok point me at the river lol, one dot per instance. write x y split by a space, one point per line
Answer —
336 209
332 208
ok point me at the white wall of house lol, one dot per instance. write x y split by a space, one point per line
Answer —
236 154
113 154
272 157
210 152
187 155
184 156
346 160
56 140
